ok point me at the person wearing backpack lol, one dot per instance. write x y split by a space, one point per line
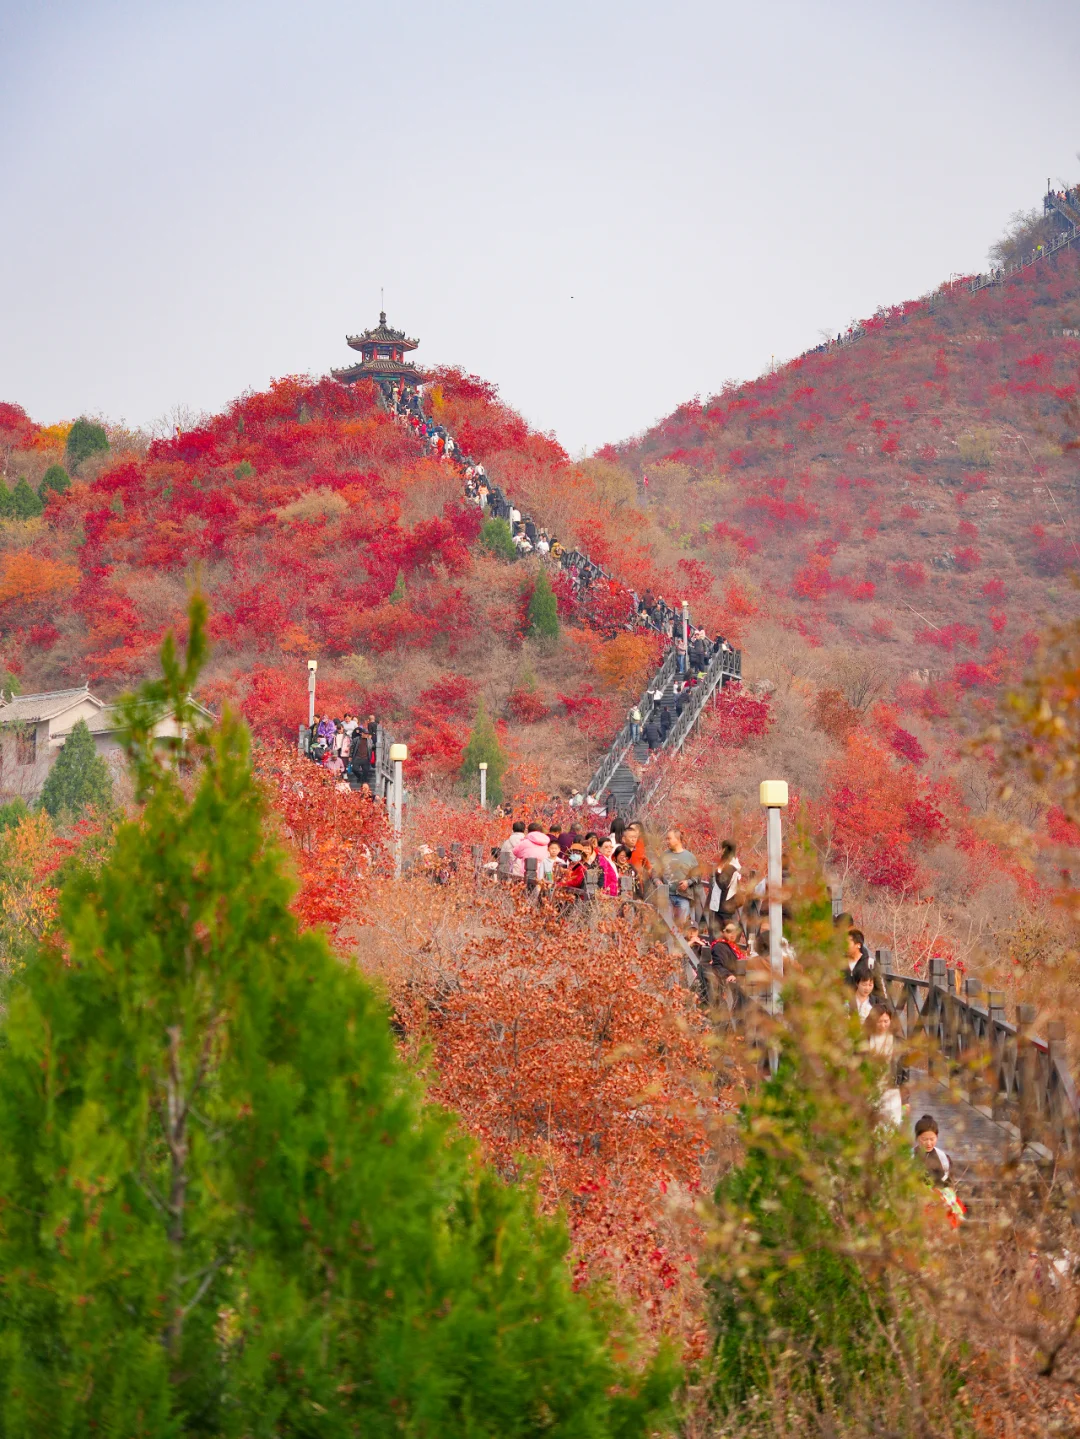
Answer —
724 892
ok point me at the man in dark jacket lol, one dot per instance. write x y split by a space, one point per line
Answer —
860 963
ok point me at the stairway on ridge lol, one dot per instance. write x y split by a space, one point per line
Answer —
623 784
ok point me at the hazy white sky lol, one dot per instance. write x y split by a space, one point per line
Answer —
605 208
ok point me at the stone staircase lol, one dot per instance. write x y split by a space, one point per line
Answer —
676 716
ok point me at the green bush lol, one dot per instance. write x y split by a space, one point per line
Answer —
484 745
227 1208
7 502
820 1227
85 439
543 609
80 778
11 813
25 504
497 537
56 478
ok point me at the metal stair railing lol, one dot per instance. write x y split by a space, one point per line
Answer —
624 740
727 664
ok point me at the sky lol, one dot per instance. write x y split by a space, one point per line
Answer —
604 208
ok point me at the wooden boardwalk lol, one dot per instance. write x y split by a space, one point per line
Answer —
977 1143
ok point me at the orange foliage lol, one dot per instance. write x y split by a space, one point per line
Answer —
32 579
567 1048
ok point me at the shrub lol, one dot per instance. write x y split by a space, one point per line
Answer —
56 479
543 612
25 504
484 745
85 439
80 778
497 537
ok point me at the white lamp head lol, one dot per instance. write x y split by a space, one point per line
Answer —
313 665
482 764
399 752
773 793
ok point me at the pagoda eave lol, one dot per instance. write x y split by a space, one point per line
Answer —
380 370
373 338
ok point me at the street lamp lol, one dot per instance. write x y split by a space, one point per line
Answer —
686 635
399 753
312 666
483 784
773 795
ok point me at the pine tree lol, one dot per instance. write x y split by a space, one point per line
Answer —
85 439
7 502
497 537
821 1224
227 1207
79 779
397 594
55 478
25 504
484 745
543 609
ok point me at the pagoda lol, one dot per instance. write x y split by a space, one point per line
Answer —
383 351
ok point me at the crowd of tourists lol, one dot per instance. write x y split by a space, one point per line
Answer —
721 911
528 536
346 748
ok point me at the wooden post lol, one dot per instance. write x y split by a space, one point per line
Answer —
1026 1072
995 1037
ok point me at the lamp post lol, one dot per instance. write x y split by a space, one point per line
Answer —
399 753
312 666
686 635
773 795
483 784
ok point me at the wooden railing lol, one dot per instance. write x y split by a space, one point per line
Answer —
1005 1069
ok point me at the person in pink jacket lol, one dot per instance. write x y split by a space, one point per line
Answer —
610 875
534 845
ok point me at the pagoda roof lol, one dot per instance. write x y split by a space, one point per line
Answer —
380 370
381 334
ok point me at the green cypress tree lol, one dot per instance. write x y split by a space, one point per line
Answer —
820 1227
227 1208
543 609
7 502
55 478
85 439
11 813
79 779
397 594
484 745
25 504
497 537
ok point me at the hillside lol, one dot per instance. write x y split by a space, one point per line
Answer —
318 527
902 513
884 525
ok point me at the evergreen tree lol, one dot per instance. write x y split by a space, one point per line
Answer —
85 439
543 609
79 779
11 813
55 478
397 594
7 502
497 537
821 1225
227 1208
484 745
25 504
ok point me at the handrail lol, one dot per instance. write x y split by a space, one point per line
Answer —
725 664
623 741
